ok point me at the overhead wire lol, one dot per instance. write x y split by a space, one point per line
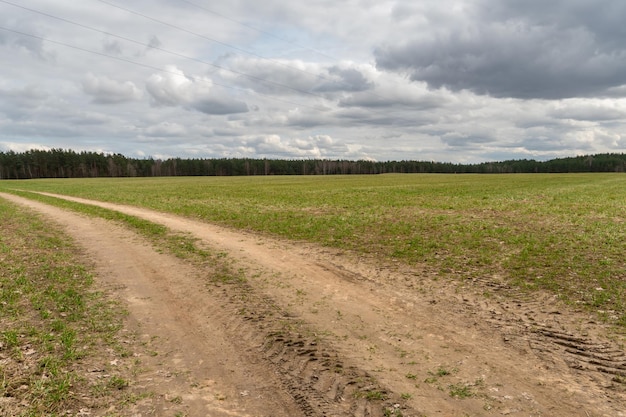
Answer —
260 79
261 31
227 45
152 67
158 48
230 46
272 35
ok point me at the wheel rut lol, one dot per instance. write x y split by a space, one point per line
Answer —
319 380
337 335
541 324
258 335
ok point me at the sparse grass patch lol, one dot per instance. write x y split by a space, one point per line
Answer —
50 317
460 390
435 376
179 244
557 232
441 371
117 382
372 395
392 412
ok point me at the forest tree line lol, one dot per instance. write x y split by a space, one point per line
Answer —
60 163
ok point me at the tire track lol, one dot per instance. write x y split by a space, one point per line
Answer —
306 379
189 356
527 317
305 366
322 383
413 316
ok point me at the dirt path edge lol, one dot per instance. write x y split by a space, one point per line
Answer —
442 347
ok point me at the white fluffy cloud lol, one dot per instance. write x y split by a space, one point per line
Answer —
449 80
107 91
319 146
173 88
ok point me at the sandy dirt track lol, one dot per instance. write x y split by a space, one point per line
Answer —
315 332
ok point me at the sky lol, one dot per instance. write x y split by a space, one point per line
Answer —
443 80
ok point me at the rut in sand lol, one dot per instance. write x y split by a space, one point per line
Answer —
314 332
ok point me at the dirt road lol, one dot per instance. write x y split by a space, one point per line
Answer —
315 332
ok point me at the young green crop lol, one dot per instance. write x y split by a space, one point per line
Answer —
560 232
51 319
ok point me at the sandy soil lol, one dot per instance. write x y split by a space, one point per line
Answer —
317 332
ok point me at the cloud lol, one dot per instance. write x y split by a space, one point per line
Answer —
452 80
391 93
587 110
170 89
275 76
343 79
174 88
19 104
22 146
28 97
316 146
91 119
112 47
154 42
166 129
33 45
520 49
458 140
107 91
219 106
295 77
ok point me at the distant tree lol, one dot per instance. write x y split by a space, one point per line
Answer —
59 163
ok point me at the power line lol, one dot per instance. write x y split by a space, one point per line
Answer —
320 109
152 67
319 76
236 48
264 32
253 77
270 34
227 45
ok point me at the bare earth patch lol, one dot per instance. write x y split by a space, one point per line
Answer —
315 332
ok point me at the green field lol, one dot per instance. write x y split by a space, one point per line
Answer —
561 232
54 327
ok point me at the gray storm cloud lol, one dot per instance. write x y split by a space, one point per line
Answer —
451 80
529 49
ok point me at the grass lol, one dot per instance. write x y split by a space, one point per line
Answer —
53 323
561 232
62 328
178 244
460 390
372 395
